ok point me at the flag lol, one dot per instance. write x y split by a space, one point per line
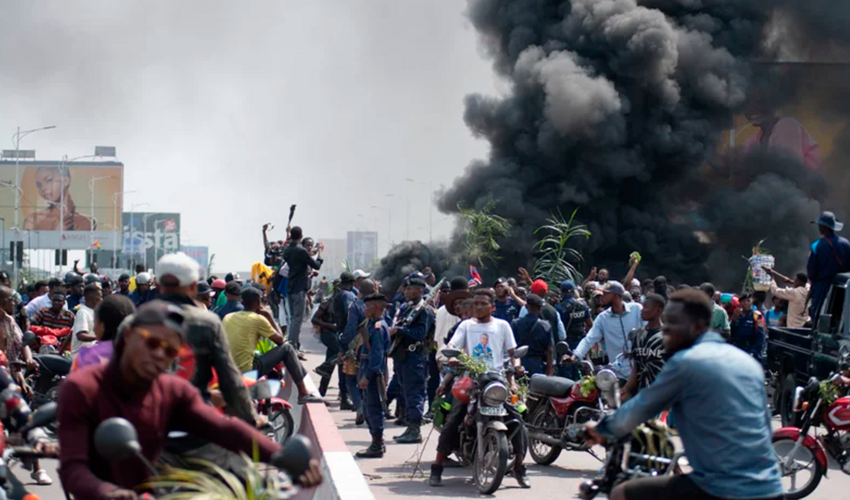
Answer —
96 244
169 225
474 277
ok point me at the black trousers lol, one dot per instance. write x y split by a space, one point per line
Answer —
285 353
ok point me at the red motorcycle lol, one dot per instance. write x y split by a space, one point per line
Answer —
558 409
803 455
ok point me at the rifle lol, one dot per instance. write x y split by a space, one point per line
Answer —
432 300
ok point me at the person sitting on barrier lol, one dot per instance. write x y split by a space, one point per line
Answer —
245 328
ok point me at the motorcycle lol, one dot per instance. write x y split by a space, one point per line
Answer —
487 431
12 487
646 452
47 377
800 452
559 408
264 393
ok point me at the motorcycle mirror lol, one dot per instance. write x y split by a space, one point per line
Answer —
562 349
450 353
29 338
41 417
295 456
274 387
521 352
116 439
253 375
265 389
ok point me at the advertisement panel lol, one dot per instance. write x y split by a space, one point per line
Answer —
150 235
90 192
200 254
362 248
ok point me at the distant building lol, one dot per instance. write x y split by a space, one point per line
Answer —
334 256
361 249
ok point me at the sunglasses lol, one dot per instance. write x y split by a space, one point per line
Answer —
153 343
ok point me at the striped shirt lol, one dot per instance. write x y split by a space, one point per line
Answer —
47 317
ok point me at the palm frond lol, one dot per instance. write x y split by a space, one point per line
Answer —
482 229
557 259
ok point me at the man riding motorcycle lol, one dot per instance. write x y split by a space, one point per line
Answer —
500 344
717 395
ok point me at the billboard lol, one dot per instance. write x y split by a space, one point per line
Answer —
146 236
200 254
362 249
90 192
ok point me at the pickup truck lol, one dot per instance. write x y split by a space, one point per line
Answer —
796 354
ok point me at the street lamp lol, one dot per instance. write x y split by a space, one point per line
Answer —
91 226
389 225
117 225
430 206
16 138
144 230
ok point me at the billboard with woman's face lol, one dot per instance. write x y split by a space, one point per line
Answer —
64 202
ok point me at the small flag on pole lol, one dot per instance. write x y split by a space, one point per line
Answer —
474 277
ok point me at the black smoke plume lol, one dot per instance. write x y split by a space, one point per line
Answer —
617 108
410 256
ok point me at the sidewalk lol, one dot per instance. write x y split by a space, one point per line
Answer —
393 476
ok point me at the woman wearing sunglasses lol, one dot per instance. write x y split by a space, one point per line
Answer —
134 385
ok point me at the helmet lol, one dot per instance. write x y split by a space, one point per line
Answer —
218 284
72 278
462 389
91 278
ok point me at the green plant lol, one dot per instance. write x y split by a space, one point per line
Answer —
210 482
482 229
346 266
557 258
265 345
587 385
522 388
828 392
473 367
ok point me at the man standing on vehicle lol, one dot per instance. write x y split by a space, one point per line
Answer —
830 256
301 263
797 295
717 394
613 326
501 344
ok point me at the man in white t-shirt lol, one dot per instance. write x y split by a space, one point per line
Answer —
486 339
82 335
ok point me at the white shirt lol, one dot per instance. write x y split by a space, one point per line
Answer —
84 322
444 322
488 342
40 303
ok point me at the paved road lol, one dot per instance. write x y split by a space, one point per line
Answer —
397 475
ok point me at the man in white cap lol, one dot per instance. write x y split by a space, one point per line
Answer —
143 292
359 275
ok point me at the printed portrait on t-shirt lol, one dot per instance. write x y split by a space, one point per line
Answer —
483 351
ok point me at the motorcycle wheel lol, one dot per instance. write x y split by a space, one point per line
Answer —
282 424
542 453
490 471
804 460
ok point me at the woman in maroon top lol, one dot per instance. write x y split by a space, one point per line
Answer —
134 386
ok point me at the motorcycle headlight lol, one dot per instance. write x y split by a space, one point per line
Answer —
494 394
605 380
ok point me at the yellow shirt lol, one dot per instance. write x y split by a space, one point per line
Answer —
132 284
244 329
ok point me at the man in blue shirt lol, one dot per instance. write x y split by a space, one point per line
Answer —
830 256
748 329
507 303
348 312
717 394
536 333
143 293
233 292
373 360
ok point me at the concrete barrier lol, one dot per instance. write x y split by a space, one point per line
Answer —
343 479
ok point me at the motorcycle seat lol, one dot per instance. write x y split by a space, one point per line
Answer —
57 365
556 387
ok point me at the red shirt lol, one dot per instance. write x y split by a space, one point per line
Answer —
96 393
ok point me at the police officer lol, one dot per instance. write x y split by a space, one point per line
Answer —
348 313
533 331
747 325
411 342
577 321
372 376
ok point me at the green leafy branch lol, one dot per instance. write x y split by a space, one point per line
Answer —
473 367
558 257
482 229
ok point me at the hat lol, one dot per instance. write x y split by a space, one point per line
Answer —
218 284
499 281
539 287
375 297
534 300
361 274
233 288
416 282
250 293
158 312
827 219
204 288
454 296
346 277
567 286
459 283
614 287
91 278
72 279
180 266
143 278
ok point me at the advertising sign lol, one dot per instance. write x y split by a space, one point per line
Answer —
200 254
150 233
362 248
90 192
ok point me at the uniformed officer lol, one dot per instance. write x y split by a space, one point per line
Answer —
747 325
410 347
575 314
372 376
348 313
533 331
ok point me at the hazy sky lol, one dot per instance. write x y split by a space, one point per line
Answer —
228 112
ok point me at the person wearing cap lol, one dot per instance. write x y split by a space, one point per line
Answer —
204 294
107 286
244 330
412 337
324 320
372 372
830 255
82 334
548 312
135 385
233 292
359 275
536 333
143 293
140 268
508 302
124 284
576 318
613 326
74 284
349 312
